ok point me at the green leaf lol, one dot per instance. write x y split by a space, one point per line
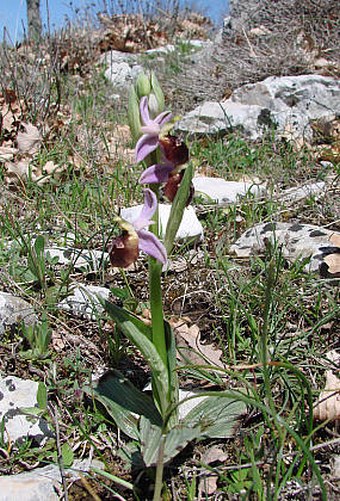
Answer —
175 441
177 208
39 246
217 416
120 315
122 392
42 396
124 419
67 454
173 375
140 335
120 293
32 411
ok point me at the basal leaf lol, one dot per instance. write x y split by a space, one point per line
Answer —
217 416
122 392
124 419
175 441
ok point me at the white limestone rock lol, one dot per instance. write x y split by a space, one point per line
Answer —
122 68
41 484
14 310
82 260
298 241
190 227
84 301
296 194
220 191
15 395
284 104
214 118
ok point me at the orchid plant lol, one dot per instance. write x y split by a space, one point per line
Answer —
155 421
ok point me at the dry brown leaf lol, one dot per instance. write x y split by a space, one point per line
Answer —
17 171
208 483
335 239
328 405
189 346
7 153
332 262
29 140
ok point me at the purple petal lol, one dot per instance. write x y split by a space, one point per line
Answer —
150 244
145 145
158 173
144 110
163 117
148 210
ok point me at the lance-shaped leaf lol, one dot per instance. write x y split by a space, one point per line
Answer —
177 208
123 401
175 441
217 416
140 336
173 375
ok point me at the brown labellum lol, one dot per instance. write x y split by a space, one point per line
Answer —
123 250
172 185
175 150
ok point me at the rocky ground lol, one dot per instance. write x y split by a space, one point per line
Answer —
258 250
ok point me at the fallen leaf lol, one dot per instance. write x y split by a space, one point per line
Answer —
331 266
328 404
327 407
335 239
7 153
208 482
189 346
16 172
29 140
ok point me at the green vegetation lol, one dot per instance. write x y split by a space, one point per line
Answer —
273 322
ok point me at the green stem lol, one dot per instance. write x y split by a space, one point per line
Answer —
156 306
157 496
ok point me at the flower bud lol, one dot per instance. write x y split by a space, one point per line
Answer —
153 105
143 85
157 91
134 114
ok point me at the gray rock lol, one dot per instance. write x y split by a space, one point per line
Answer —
286 104
41 484
298 241
293 101
84 301
166 49
122 68
16 394
14 310
221 191
300 193
82 260
190 227
214 118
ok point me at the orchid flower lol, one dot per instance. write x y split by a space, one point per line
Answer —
175 154
151 129
124 249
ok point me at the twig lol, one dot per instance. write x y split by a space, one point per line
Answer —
60 455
